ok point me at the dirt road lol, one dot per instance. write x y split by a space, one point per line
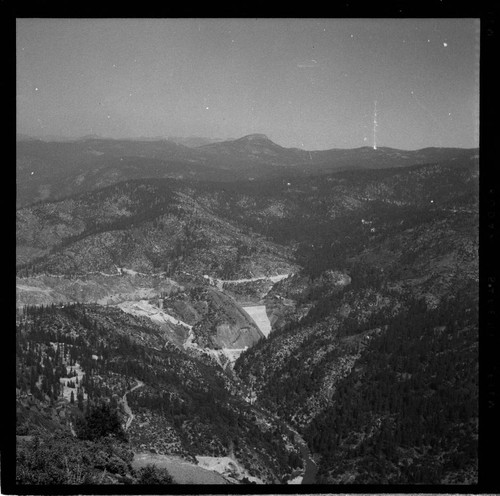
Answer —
127 409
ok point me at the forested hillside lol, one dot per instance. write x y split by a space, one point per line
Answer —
186 404
408 411
131 298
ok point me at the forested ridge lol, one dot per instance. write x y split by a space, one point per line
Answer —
373 353
187 395
410 405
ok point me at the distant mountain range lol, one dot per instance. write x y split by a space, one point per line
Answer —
189 141
54 169
251 144
193 141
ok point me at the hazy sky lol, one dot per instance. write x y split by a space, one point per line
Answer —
303 82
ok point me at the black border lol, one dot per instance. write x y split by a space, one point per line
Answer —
341 9
489 86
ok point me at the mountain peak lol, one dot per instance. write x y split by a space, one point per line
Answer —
254 137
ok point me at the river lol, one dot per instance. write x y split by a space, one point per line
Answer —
310 467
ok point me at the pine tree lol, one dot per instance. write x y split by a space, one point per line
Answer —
80 400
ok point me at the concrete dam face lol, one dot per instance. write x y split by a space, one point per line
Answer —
259 315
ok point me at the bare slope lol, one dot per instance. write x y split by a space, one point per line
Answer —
144 226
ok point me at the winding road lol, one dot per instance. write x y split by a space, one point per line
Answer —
219 283
127 409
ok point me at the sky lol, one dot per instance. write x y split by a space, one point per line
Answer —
305 83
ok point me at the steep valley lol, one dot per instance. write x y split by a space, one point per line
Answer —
301 327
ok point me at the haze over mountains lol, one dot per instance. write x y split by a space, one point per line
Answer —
50 170
140 264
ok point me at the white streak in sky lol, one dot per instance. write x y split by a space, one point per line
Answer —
375 126
307 65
